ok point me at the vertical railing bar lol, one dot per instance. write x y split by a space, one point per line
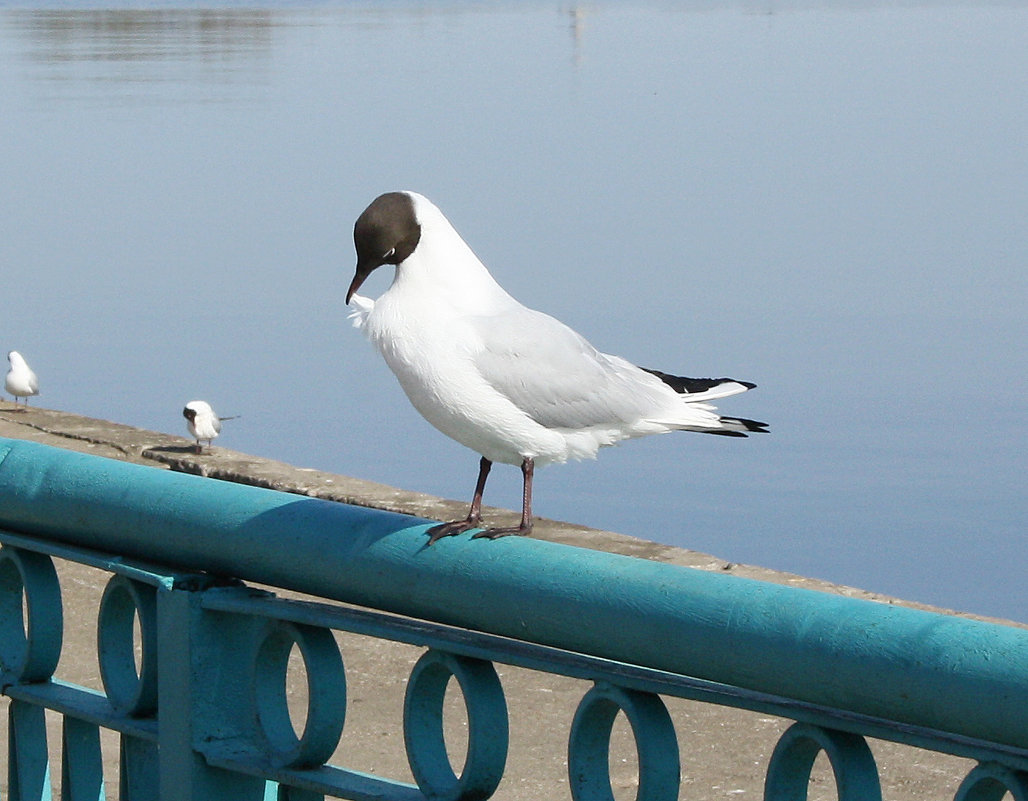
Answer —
138 770
82 776
28 757
193 704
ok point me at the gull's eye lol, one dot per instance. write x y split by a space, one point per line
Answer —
389 253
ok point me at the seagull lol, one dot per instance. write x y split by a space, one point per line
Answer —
20 381
512 384
202 422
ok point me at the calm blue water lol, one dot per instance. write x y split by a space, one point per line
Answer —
829 201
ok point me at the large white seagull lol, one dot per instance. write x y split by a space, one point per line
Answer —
513 384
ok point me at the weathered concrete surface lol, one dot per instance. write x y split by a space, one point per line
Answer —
724 752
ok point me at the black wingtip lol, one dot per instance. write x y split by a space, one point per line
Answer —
751 426
691 386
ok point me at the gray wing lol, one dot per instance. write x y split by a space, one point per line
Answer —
556 377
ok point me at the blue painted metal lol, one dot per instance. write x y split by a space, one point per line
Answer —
213 654
555 660
655 741
991 782
28 768
138 778
130 691
326 707
81 762
488 733
798 644
29 648
788 774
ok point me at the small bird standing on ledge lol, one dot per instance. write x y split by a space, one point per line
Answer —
202 422
20 381
513 384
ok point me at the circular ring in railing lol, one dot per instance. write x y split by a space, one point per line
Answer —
326 693
131 691
31 617
990 781
423 735
655 743
788 773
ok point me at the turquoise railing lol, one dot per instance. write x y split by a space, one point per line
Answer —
201 712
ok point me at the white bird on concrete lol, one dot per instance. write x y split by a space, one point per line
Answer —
20 381
202 422
513 384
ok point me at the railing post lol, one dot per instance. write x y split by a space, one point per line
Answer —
195 708
28 764
82 775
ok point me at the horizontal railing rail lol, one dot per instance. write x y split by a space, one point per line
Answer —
177 547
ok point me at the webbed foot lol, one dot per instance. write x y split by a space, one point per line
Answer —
451 529
507 531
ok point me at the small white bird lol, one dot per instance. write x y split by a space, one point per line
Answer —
20 381
202 422
513 384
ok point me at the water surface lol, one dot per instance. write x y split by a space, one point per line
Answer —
827 200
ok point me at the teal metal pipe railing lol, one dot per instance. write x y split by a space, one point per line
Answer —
929 670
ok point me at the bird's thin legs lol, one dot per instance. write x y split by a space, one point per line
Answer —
474 518
474 514
527 472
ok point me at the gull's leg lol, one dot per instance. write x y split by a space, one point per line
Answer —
474 514
527 471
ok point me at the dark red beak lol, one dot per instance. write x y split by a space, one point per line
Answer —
358 278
